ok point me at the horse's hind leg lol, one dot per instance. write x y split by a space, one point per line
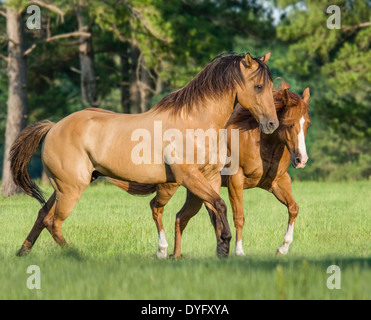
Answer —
283 193
65 203
47 209
189 209
164 193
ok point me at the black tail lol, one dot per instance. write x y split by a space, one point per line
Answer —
21 153
135 189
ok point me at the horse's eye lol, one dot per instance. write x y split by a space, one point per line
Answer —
259 87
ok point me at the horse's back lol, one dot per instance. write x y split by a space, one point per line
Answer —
99 110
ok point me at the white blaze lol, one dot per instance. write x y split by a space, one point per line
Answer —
301 139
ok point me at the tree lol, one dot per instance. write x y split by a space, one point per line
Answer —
142 50
86 55
335 64
17 77
17 96
138 25
167 43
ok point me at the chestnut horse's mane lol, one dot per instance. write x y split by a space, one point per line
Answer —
287 114
220 76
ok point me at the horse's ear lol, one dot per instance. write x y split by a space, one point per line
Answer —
266 57
248 60
286 97
306 95
285 85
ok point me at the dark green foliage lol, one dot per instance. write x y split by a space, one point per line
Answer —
178 38
335 64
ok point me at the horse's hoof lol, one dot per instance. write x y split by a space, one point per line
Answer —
222 250
240 254
25 249
175 257
161 254
23 252
281 252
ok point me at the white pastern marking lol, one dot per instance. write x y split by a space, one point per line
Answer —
289 234
162 243
239 249
162 246
287 239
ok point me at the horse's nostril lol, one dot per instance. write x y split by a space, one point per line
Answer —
271 125
297 160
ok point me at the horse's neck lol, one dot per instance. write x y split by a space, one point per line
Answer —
218 112
270 142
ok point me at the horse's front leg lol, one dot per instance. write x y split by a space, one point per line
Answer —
282 191
235 192
192 178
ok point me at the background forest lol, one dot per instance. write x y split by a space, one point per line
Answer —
124 55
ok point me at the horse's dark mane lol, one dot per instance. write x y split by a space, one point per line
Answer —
288 114
221 75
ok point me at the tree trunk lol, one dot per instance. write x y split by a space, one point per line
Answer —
125 86
145 87
134 88
17 93
141 84
159 85
86 55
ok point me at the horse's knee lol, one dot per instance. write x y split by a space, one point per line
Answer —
239 222
152 203
293 210
220 206
221 209
48 222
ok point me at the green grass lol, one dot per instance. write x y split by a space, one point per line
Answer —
113 241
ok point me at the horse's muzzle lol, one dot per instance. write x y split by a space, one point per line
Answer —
268 127
299 162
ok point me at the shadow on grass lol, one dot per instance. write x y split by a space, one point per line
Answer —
256 262
300 262
247 263
71 253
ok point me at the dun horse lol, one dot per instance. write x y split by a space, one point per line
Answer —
95 142
263 162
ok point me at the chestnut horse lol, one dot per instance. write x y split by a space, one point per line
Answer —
95 142
263 162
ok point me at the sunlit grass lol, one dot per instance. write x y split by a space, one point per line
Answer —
113 241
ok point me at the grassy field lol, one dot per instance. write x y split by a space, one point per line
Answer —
113 241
